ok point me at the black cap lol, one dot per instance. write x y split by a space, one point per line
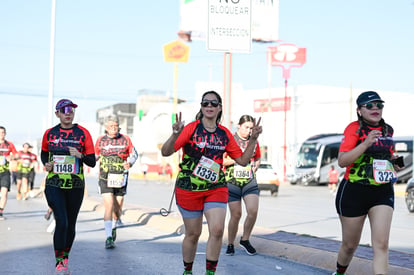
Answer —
367 97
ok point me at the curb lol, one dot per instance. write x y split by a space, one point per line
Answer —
268 242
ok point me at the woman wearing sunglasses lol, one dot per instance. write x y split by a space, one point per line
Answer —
367 152
201 186
65 148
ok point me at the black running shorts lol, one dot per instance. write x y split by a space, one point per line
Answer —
355 200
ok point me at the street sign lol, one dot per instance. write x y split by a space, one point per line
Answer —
287 53
264 22
176 51
229 25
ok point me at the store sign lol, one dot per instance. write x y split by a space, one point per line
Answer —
176 51
276 104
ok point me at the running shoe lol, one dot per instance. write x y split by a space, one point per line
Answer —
188 272
210 272
114 233
61 268
1 217
230 250
109 243
65 263
248 247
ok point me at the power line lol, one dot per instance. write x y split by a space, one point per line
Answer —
72 95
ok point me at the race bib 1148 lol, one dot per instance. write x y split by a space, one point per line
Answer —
65 165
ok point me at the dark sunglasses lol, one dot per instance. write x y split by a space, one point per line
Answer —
67 110
214 103
369 106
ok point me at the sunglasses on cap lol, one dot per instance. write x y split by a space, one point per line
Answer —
369 106
213 103
67 110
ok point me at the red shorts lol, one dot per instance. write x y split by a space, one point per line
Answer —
194 200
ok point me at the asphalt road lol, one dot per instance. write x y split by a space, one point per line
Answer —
140 248
300 209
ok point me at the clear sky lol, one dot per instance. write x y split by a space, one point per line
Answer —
108 50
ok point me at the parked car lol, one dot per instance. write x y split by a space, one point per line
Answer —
409 195
267 179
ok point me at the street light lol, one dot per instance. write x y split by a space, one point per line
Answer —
52 63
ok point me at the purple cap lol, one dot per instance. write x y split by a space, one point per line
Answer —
64 103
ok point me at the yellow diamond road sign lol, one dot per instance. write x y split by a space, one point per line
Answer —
176 51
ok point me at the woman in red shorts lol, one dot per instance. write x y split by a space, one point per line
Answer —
200 186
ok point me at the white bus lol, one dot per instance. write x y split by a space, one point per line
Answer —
318 153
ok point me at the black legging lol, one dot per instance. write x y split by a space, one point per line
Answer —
65 204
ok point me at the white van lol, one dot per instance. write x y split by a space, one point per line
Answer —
318 153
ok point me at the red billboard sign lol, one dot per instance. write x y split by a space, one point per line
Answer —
276 104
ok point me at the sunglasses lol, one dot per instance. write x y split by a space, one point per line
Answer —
67 110
214 103
369 106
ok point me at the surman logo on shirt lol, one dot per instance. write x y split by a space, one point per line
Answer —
60 140
110 146
201 145
56 141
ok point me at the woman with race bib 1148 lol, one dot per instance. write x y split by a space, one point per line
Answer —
65 148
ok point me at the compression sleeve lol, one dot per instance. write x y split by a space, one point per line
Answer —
89 160
44 156
133 156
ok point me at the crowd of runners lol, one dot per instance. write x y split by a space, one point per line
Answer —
216 172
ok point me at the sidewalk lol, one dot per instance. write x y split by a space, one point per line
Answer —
305 249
